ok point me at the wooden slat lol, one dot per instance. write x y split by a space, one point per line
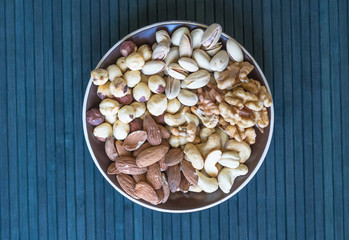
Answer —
50 187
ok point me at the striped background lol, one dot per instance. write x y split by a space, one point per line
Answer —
49 186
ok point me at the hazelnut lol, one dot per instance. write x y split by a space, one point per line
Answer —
127 99
118 87
173 106
121 63
139 108
120 130
103 91
136 125
109 107
111 118
146 52
127 47
99 76
135 61
114 72
156 84
94 117
132 78
126 114
103 131
141 92
157 104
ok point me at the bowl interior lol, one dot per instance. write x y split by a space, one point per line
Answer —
178 201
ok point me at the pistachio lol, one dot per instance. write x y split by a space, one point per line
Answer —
99 76
121 63
132 78
215 49
157 104
185 46
177 35
202 59
187 98
135 61
161 50
146 52
172 87
220 61
153 67
127 48
211 36
172 56
153 46
196 36
234 50
176 71
156 84
162 35
197 79
118 87
188 64
141 92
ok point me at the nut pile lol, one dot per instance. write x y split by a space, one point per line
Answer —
179 115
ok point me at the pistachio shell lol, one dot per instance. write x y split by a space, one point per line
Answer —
202 59
153 67
177 35
211 35
234 50
162 35
215 49
172 87
197 79
176 71
196 36
220 61
185 46
188 64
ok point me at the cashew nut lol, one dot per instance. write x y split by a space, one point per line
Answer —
210 162
193 155
227 176
230 159
207 184
223 135
205 133
191 118
242 148
175 120
213 142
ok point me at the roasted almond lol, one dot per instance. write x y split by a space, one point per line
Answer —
165 134
139 177
165 188
134 140
141 148
110 149
122 152
112 170
151 155
160 194
153 131
163 166
160 119
174 156
144 191
184 184
128 184
128 165
174 177
154 176
189 172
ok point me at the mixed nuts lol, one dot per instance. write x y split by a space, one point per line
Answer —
179 115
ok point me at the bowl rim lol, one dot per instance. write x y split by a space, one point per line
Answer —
154 207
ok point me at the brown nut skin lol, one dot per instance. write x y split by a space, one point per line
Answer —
160 119
127 48
136 124
125 100
94 117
